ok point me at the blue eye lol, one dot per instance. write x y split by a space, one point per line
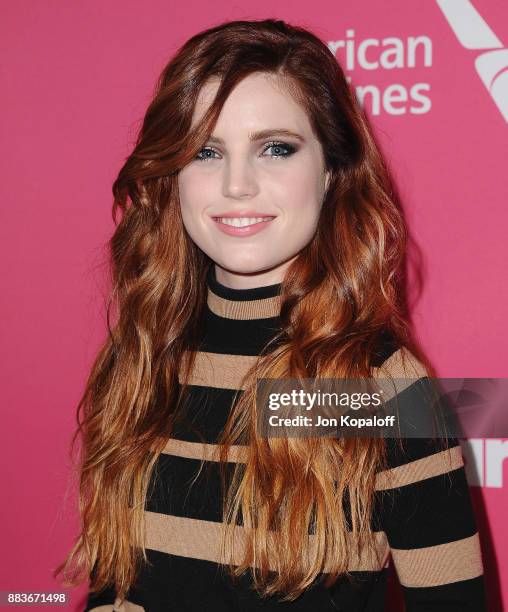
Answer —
281 149
280 146
206 157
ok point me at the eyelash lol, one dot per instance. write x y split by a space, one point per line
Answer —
284 145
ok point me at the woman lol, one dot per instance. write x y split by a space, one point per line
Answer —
258 239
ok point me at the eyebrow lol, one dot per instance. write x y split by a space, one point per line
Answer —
261 135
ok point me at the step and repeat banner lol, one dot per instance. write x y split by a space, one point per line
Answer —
432 75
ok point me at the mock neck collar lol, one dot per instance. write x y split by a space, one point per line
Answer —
254 303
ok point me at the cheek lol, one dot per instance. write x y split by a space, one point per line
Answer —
302 198
191 194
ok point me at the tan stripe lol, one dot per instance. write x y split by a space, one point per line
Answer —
220 371
200 450
402 364
403 367
118 606
245 310
420 469
440 564
227 371
198 539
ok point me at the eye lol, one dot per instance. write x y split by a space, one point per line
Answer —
279 147
206 157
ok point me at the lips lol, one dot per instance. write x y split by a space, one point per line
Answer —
240 215
249 222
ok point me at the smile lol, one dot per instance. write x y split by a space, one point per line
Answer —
242 226
241 221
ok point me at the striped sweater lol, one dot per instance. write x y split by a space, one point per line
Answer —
423 517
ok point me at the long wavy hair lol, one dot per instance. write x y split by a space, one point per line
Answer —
344 290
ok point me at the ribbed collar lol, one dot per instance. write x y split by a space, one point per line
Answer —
255 303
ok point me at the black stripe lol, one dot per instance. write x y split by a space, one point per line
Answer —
206 409
462 596
415 448
237 336
172 491
183 584
433 511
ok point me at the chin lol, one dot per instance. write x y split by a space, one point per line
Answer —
246 267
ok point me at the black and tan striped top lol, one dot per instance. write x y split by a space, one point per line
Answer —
423 518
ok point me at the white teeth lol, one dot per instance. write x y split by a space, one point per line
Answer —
242 221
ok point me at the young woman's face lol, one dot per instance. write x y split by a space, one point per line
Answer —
251 199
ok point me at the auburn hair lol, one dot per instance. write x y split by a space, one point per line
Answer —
344 290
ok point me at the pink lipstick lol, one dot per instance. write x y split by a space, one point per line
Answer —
246 223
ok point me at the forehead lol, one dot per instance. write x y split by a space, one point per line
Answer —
260 100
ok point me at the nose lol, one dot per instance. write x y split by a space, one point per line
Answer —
239 179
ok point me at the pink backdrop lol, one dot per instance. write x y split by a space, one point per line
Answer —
76 79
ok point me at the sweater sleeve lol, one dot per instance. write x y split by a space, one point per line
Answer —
431 528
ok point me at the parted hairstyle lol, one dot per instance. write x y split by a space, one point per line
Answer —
343 291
